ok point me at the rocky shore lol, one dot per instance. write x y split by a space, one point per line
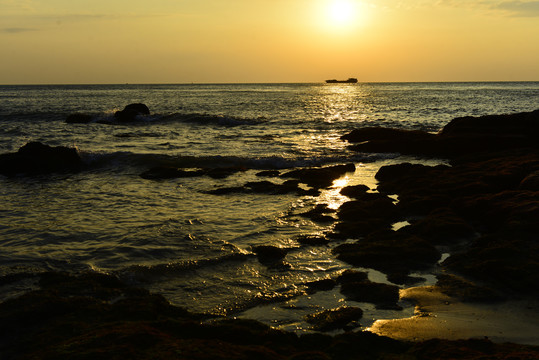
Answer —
95 316
475 219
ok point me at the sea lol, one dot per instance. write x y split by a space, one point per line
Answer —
173 236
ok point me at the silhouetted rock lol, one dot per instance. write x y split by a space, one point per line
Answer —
36 158
320 213
352 276
320 285
79 118
369 212
354 191
320 177
131 111
360 289
269 254
462 136
519 124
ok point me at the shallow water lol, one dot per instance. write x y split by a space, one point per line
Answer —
171 236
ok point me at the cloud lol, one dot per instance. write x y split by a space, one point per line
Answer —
520 8
16 30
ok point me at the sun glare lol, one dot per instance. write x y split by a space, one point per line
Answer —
343 14
341 11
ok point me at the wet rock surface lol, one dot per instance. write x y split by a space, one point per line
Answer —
36 158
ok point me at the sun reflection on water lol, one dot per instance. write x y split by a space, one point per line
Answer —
332 197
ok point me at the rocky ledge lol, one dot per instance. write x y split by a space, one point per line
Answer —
482 209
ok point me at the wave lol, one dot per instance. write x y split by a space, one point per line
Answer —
187 118
207 119
148 273
125 158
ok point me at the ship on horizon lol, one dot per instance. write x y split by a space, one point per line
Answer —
348 81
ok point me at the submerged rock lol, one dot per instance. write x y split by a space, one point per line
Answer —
341 318
36 158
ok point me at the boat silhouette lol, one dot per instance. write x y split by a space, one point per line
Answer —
348 81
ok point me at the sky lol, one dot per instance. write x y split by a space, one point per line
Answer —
259 41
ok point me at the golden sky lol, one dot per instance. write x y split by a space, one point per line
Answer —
223 41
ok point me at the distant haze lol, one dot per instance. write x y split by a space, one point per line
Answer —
242 41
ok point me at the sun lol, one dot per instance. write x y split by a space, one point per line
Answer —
341 12
343 16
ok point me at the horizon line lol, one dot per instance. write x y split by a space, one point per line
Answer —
270 83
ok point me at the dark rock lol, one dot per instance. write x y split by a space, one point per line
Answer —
36 158
389 252
384 296
354 191
320 285
441 226
462 136
403 279
320 177
372 211
131 111
525 123
79 118
333 319
352 276
373 206
357 287
320 213
268 254
506 261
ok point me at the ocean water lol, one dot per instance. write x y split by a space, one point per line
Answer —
172 236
